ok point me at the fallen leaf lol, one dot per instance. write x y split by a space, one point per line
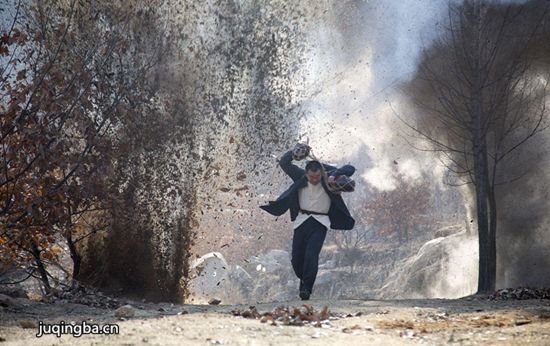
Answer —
27 324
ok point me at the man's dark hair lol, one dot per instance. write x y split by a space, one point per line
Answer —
313 166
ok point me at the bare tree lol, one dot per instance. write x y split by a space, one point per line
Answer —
350 244
480 100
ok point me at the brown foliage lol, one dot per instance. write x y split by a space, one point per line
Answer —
399 211
68 80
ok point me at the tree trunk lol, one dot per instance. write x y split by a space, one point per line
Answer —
73 251
481 183
481 171
76 259
41 268
492 256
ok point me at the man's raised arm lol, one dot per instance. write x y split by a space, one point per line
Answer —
344 170
289 168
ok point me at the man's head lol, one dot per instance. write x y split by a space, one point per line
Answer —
314 172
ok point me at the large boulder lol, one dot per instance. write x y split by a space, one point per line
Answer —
207 275
330 277
272 275
444 267
239 275
329 264
237 286
273 262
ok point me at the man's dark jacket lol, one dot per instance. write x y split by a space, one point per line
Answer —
338 213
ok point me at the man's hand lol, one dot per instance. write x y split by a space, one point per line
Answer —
303 145
300 151
330 182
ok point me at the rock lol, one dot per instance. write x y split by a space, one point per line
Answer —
272 262
125 311
522 322
239 280
214 301
271 275
328 277
239 274
210 272
27 324
210 262
353 329
447 231
7 301
443 268
330 264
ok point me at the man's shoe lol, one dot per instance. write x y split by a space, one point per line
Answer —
304 295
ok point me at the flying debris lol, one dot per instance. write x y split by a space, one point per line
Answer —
241 176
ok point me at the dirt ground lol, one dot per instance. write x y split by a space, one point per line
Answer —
467 321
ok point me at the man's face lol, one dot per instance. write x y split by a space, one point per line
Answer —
314 177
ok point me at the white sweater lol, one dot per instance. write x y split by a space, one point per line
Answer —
313 198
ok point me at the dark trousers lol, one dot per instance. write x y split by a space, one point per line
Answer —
306 245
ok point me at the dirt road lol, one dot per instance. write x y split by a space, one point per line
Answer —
469 321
